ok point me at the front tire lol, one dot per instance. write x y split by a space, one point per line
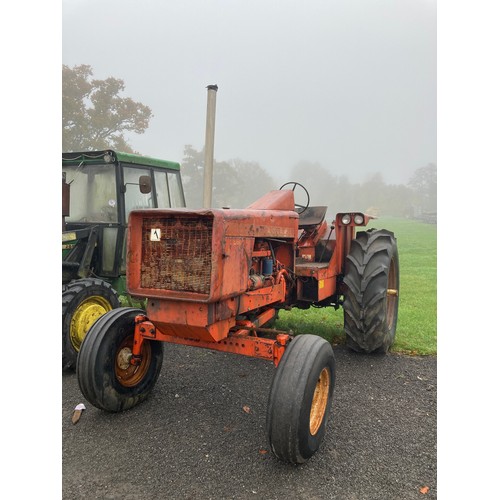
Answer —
105 376
83 301
372 297
300 399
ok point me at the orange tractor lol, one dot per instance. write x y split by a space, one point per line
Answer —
216 278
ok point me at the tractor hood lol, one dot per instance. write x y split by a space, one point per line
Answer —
200 255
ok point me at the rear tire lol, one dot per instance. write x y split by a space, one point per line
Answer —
106 378
300 399
83 301
372 297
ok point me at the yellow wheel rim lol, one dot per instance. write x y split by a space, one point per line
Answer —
85 316
319 402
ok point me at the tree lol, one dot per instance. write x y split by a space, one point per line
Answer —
424 185
236 183
192 176
372 193
94 114
253 182
319 182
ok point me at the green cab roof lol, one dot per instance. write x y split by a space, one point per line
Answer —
114 156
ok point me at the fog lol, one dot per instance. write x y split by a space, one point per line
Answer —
347 84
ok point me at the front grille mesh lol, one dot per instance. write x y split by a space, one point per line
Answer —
182 259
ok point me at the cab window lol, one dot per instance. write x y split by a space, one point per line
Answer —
162 193
175 189
134 199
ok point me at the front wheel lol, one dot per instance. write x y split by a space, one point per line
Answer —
106 377
300 399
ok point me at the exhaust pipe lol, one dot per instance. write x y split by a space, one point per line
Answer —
209 146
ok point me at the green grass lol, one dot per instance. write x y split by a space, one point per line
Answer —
417 318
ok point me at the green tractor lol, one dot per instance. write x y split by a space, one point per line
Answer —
99 189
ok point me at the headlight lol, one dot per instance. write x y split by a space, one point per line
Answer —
346 219
359 219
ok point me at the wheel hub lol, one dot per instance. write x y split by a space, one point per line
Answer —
85 316
127 373
123 358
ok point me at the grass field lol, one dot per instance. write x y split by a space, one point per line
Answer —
417 319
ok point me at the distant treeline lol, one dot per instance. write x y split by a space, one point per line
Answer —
237 183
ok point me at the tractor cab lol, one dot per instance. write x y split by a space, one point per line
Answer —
100 188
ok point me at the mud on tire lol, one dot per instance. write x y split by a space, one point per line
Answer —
372 296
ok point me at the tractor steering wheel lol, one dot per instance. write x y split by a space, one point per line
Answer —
298 208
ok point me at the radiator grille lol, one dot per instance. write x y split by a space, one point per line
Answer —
181 260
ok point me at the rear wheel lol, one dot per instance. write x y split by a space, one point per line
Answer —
83 301
300 399
106 377
372 297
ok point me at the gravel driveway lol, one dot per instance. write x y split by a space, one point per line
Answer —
193 439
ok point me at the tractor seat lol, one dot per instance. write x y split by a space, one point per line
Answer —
312 216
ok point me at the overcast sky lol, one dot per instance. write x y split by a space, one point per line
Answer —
350 84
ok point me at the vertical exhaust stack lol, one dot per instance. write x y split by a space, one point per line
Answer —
209 146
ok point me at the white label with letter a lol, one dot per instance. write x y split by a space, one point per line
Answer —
155 235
